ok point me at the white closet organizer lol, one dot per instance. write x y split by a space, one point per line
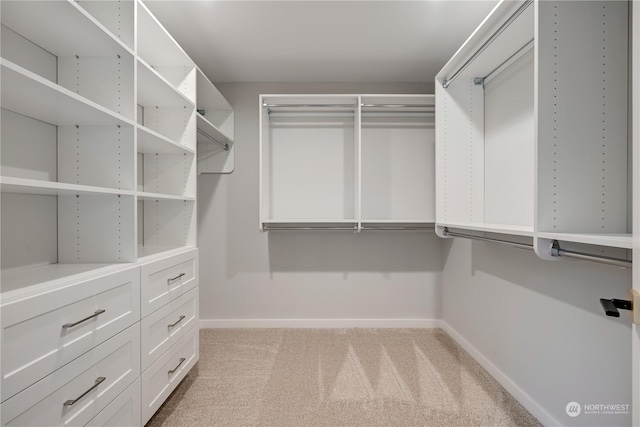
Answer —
346 162
531 135
216 151
98 177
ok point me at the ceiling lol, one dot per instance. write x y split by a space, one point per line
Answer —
320 41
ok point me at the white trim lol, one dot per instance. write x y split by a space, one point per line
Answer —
519 394
320 323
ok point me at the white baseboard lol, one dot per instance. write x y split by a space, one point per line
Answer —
520 395
319 323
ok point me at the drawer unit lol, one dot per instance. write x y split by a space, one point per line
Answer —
164 327
124 411
44 332
166 373
77 392
165 279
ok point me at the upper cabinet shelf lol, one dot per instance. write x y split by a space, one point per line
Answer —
531 125
61 27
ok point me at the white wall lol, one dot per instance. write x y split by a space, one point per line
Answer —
540 324
249 278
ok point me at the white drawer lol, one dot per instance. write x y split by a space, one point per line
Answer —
164 280
77 392
124 411
39 335
166 373
164 327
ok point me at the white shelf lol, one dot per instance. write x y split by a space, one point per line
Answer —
617 240
28 94
148 253
158 196
515 230
155 91
49 188
210 129
22 282
151 142
62 28
155 45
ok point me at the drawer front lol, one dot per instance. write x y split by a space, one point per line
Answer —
166 279
164 327
77 392
45 332
124 411
166 373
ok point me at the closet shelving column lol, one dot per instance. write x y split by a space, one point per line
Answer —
309 161
397 161
166 142
67 144
216 150
531 126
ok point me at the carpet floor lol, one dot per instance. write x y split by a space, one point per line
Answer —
337 377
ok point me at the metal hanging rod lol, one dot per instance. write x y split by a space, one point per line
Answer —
215 141
267 228
309 105
486 44
513 58
556 250
398 106
411 228
526 246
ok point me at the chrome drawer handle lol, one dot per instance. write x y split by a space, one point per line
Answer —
175 278
99 380
182 359
71 325
177 321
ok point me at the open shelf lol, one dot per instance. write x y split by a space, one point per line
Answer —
148 253
154 90
48 188
62 28
150 142
158 196
27 93
22 282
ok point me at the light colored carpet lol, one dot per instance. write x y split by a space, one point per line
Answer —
333 377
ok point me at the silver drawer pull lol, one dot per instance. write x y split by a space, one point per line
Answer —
182 359
175 278
99 380
71 325
177 321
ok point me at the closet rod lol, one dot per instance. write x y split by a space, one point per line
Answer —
309 105
486 44
556 250
267 228
513 58
528 247
397 228
398 106
203 133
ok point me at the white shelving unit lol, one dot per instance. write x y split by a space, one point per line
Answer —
523 146
352 162
98 183
216 150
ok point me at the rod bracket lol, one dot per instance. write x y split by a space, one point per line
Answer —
611 306
478 81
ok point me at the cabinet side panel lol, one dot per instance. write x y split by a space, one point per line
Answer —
28 230
460 152
582 116
509 145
